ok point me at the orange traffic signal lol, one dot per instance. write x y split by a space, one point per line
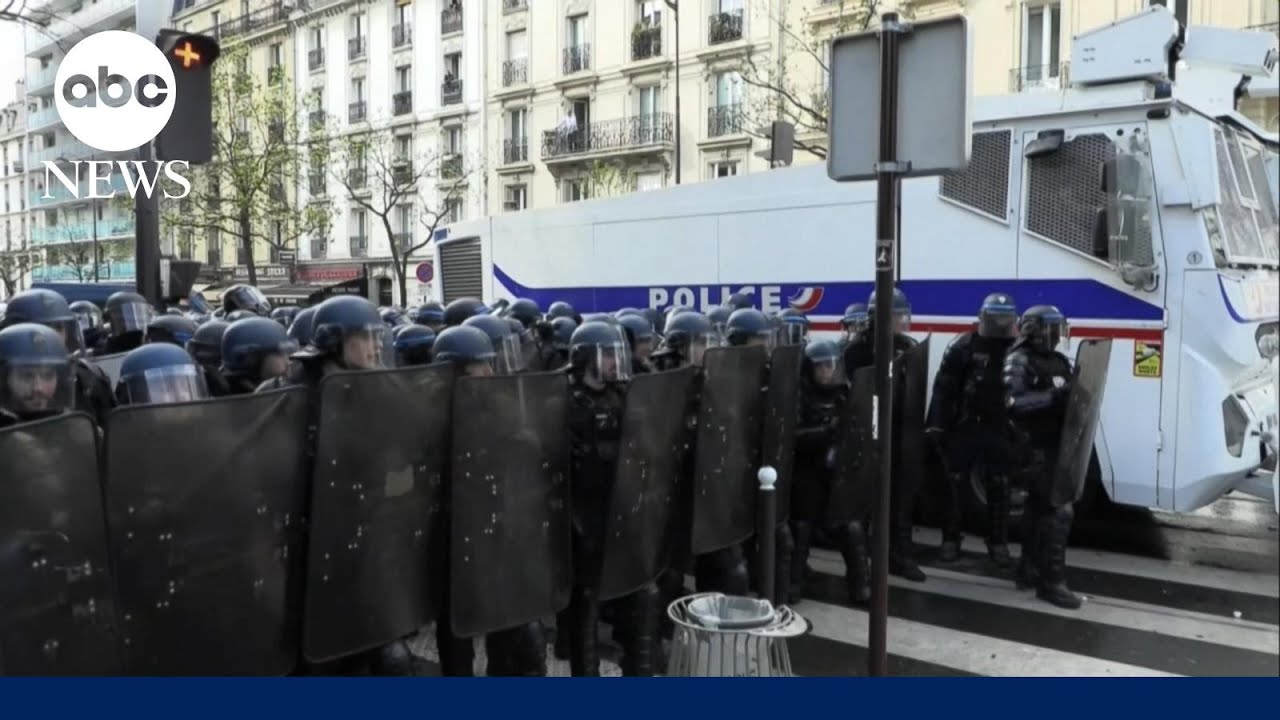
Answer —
187 55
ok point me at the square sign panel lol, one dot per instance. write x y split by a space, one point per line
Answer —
935 100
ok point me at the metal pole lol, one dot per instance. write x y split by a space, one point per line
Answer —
766 533
886 231
676 8
147 241
97 255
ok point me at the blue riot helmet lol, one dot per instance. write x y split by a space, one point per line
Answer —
749 326
1044 328
392 317
36 377
247 298
998 317
256 350
656 319
159 373
458 311
48 308
855 320
205 346
348 331
901 311
560 308
561 332
127 312
509 357
413 345
738 301
236 315
688 335
430 314
467 347
793 327
172 329
525 311
823 362
89 317
639 333
600 353
284 315
719 317
300 328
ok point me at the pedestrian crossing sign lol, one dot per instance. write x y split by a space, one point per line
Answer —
1146 359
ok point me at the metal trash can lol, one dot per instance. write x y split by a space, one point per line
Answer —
719 635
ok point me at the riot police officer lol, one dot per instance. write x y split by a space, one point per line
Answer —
640 336
346 334
824 391
968 424
738 301
158 374
245 298
205 347
35 374
90 318
794 327
127 316
413 345
1037 382
48 308
749 326
430 314
853 322
392 317
284 315
687 338
562 309
458 311
171 329
858 354
508 352
719 317
254 351
300 328
525 311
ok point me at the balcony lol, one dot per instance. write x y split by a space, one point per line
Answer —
723 27
402 172
72 25
402 102
356 48
450 21
275 74
109 227
515 72
41 79
509 6
515 151
356 111
646 41
273 14
724 120
451 166
43 118
576 59
316 184
610 136
63 273
59 194
315 58
359 245
451 92
403 241
71 150
401 35
1038 77
357 178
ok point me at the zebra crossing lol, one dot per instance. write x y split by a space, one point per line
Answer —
1202 599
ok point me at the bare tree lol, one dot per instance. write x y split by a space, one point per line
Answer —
385 176
788 91
16 260
259 150
74 253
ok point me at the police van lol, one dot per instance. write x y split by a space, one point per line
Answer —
1137 200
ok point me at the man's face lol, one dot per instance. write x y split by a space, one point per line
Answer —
758 341
33 388
824 374
360 351
608 367
274 365
478 369
644 348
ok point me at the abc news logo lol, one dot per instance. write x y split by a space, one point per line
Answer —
115 92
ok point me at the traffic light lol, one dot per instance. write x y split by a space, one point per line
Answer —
189 133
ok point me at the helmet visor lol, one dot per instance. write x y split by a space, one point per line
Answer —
509 355
792 333
72 335
129 317
37 389
165 386
901 321
610 363
998 323
248 297
367 348
828 372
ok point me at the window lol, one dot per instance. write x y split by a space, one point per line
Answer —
404 147
517 45
242 256
452 66
357 89
357 25
649 12
1042 27
577 31
214 17
648 181
276 55
359 222
1179 8
404 13
650 103
452 210
724 168
728 89
575 190
404 80
213 245
404 221
317 38
517 121
453 140
517 197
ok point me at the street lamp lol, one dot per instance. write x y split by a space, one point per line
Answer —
675 10
97 256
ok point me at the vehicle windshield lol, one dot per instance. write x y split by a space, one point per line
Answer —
1245 228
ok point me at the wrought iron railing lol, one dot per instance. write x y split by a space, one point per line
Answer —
451 166
724 120
315 58
450 21
402 172
359 245
402 102
356 111
451 91
515 150
357 178
355 47
274 13
646 41
401 35
724 27
620 134
514 5
577 58
515 72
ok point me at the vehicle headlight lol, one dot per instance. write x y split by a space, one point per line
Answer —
1268 337
1235 423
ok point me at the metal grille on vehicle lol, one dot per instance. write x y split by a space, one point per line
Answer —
1241 230
984 185
1065 194
461 270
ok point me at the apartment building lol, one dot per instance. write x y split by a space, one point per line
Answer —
79 240
16 258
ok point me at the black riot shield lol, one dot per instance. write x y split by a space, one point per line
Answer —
912 388
205 512
781 411
727 455
110 364
375 555
56 611
1080 427
853 477
509 539
649 459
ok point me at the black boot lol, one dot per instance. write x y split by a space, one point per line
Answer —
902 560
561 647
584 628
1052 587
953 520
782 563
998 521
857 569
801 534
638 659
1027 575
